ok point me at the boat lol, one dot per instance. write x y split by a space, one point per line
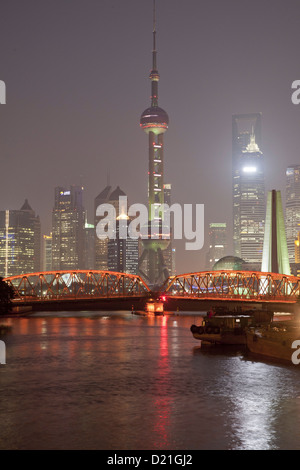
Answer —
228 328
278 340
152 307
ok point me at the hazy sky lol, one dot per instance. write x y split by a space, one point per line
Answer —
76 73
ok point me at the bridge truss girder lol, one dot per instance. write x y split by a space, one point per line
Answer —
76 284
234 285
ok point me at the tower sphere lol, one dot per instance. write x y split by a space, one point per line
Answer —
154 119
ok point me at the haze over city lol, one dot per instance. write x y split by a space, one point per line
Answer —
77 82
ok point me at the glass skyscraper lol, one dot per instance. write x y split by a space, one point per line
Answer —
20 241
123 254
292 208
217 243
68 221
248 189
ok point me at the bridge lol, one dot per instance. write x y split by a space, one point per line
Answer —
78 289
235 288
195 291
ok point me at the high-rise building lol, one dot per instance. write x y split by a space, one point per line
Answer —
292 208
101 244
248 188
89 246
68 219
297 249
123 253
47 253
275 253
296 265
20 241
154 121
107 196
217 243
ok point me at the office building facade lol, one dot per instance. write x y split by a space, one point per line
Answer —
20 241
68 220
248 189
107 196
292 208
217 243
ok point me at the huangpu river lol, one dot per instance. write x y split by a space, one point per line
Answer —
118 381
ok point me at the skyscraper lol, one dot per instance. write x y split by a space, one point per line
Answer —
101 244
292 208
123 254
275 253
47 253
217 243
20 241
296 265
107 196
68 219
154 121
89 246
297 249
248 188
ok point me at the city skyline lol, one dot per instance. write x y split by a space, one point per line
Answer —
72 114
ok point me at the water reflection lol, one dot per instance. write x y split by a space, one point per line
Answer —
119 381
162 403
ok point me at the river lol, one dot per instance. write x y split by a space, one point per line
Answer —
80 380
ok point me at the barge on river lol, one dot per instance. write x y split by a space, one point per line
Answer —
228 328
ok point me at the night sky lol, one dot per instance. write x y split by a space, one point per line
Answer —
76 73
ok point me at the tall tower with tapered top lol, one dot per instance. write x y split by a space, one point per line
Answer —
154 121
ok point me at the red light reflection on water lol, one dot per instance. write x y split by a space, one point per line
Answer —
162 404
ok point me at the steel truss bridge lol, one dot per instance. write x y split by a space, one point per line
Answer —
76 285
92 285
245 286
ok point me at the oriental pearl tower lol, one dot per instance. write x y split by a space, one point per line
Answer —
154 121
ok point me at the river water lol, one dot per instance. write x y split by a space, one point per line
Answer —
120 381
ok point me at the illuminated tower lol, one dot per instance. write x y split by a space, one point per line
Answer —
154 121
248 188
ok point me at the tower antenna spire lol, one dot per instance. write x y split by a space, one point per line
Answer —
154 52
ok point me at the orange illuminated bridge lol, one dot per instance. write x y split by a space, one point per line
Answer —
74 285
240 286
235 285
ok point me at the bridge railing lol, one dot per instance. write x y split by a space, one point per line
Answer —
77 284
239 285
